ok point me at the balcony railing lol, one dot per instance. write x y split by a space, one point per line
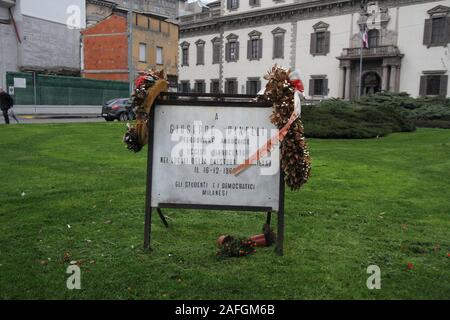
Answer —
381 51
199 17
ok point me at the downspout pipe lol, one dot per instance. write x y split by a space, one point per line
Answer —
15 25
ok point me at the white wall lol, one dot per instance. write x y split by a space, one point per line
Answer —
340 28
418 57
244 68
194 72
54 10
9 53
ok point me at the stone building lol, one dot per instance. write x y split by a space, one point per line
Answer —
229 46
40 36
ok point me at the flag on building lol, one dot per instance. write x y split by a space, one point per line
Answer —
365 37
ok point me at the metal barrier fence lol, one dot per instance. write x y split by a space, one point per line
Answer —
30 89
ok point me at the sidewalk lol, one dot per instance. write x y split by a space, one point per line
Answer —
45 111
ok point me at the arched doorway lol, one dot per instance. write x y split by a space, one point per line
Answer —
371 83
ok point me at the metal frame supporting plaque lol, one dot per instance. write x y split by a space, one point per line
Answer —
174 181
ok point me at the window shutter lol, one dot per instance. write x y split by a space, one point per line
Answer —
275 47
228 4
325 87
248 87
237 51
311 87
313 43
200 54
278 50
423 86
249 49
260 48
427 32
258 87
444 84
226 87
327 42
237 3
227 52
447 31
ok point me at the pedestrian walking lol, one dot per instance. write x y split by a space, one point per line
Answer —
6 105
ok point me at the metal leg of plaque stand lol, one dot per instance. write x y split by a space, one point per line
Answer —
269 217
162 217
148 196
280 222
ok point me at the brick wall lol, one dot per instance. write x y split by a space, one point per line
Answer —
105 49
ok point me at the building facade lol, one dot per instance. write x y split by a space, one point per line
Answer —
40 36
105 47
97 10
231 45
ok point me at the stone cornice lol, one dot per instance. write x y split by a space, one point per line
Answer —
103 3
300 11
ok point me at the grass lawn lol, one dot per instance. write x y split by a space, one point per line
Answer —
382 201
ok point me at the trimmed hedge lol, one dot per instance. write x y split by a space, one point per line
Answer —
344 120
375 116
424 112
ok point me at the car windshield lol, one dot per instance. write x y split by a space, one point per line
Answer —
110 101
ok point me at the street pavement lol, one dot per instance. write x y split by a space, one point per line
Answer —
42 120
55 114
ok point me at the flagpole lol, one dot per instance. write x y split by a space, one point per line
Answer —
360 63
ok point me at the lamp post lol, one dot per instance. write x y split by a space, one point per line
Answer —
130 45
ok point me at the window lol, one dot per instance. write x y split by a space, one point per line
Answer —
254 46
320 42
216 43
231 86
374 38
142 52
278 43
185 54
159 55
215 86
200 52
254 3
434 83
320 39
185 86
437 28
232 4
253 86
318 86
199 86
173 80
232 48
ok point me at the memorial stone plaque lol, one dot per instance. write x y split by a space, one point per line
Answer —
196 147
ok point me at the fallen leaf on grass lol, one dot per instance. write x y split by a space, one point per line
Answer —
108 221
66 256
410 266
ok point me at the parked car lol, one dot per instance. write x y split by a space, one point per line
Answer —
118 109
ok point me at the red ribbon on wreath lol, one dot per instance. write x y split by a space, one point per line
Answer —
296 82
